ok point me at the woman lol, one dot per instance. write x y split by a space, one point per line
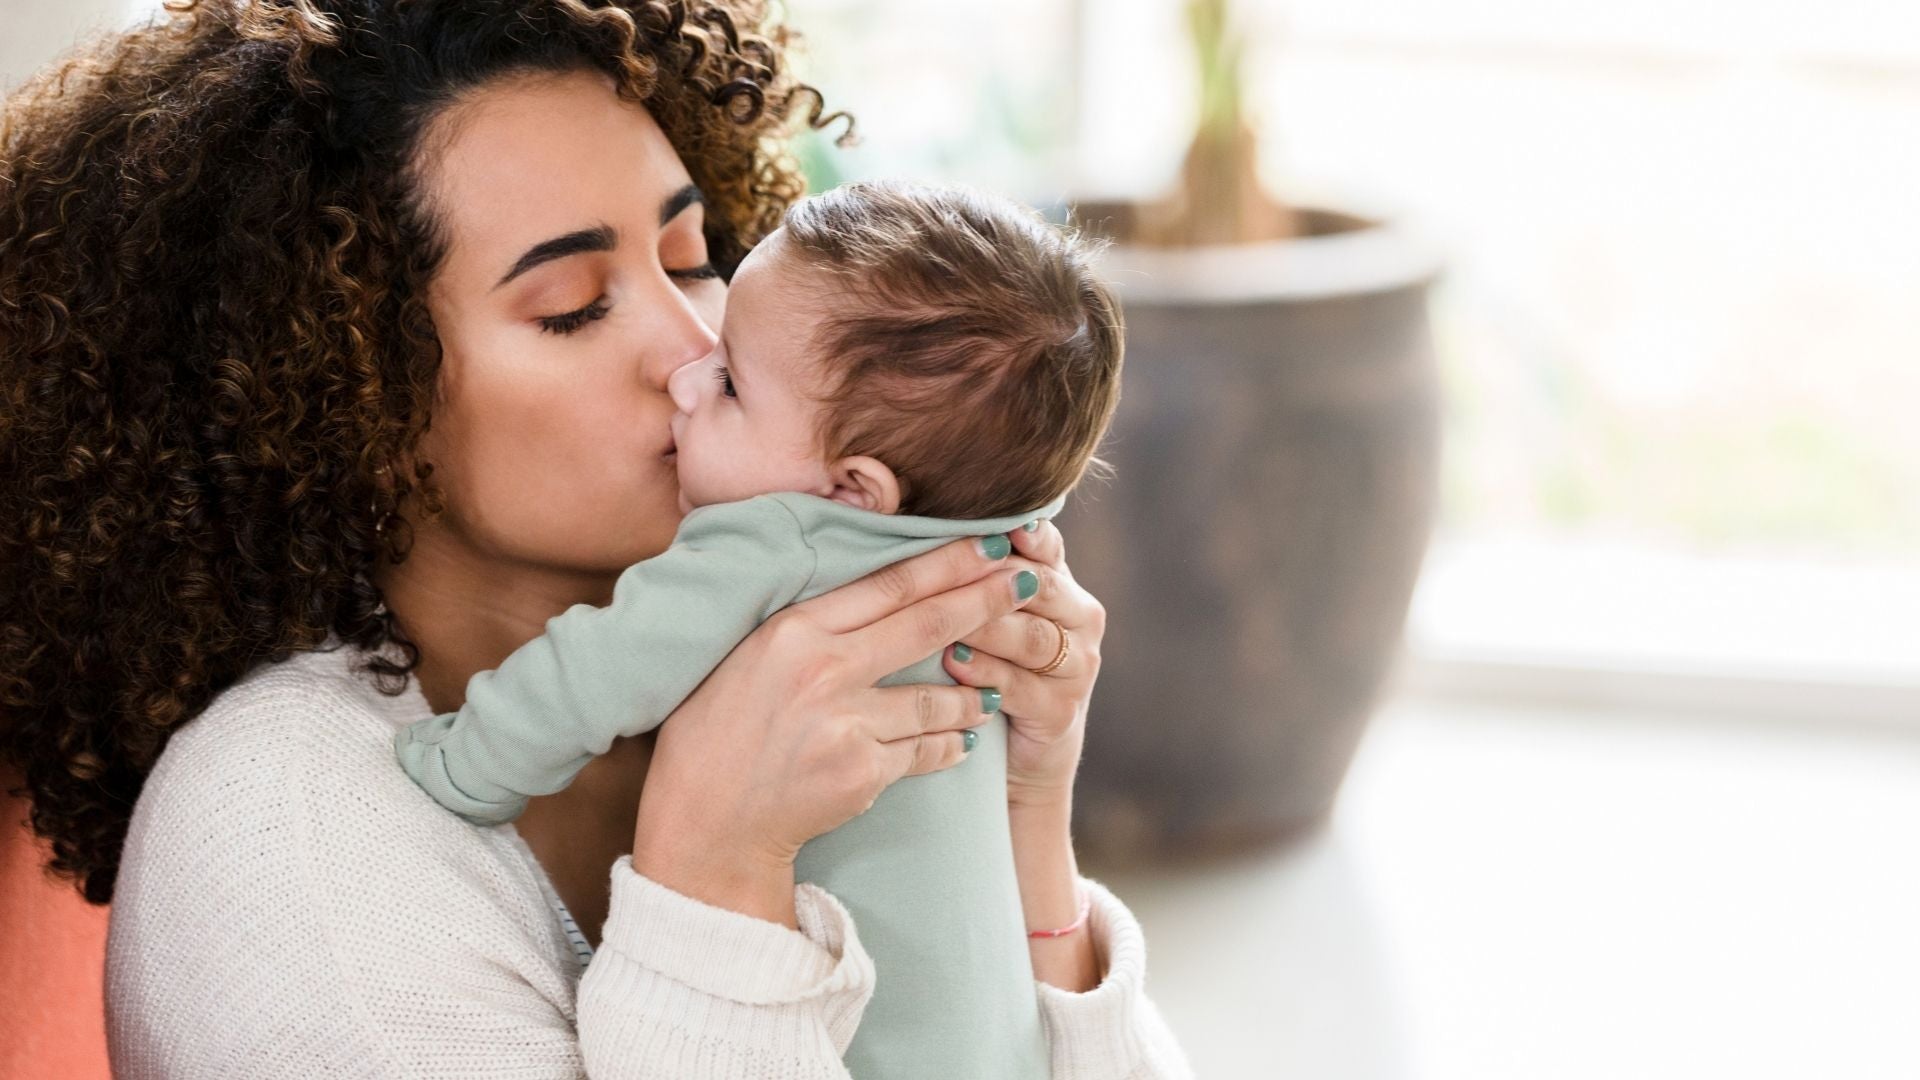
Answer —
305 425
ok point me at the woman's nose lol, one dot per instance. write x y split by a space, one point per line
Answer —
678 337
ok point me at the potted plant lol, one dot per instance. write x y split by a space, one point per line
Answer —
1276 450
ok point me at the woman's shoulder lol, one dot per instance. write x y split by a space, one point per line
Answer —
279 863
308 725
295 760
290 763
288 781
312 696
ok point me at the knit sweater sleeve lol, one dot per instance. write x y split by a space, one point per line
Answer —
1113 1031
680 988
727 995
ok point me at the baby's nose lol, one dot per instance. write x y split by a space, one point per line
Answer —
683 386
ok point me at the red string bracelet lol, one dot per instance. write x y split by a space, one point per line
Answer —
1086 906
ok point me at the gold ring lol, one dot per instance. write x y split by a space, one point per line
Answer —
1060 657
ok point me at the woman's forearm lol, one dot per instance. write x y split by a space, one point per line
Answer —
1049 877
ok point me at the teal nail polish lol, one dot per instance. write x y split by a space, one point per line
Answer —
989 699
1025 584
962 653
996 546
967 739
1031 525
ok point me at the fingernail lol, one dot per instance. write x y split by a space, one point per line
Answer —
961 652
989 699
996 546
967 739
1031 525
1026 583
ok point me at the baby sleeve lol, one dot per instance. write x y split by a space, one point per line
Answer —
599 673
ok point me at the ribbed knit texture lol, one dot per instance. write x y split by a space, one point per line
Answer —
290 904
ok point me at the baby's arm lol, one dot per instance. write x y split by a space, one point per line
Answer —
529 726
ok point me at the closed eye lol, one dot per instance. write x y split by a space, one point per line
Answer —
572 321
726 381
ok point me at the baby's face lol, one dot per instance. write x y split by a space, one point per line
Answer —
744 422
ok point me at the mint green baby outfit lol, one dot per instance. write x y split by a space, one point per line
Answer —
927 872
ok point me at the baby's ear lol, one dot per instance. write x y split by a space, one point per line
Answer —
865 483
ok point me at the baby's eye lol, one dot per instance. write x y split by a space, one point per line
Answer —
726 382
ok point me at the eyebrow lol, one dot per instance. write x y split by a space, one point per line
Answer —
602 237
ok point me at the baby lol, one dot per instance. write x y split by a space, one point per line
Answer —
900 366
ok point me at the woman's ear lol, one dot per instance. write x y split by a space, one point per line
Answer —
865 483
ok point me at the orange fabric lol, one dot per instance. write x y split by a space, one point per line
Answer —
53 949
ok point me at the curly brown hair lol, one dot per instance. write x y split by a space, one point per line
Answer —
214 338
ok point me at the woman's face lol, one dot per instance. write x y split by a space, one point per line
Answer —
575 283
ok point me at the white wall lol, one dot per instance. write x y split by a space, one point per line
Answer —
33 32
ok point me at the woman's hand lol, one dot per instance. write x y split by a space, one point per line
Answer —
788 738
1047 714
1047 721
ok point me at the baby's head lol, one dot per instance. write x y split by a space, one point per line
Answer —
906 349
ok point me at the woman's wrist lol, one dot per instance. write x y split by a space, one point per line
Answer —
710 870
1050 895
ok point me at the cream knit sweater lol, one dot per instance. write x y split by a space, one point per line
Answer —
251 937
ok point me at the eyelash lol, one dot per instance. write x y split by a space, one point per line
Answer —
726 382
572 321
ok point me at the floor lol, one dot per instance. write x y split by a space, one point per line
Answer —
1541 893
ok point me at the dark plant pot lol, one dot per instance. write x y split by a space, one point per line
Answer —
1276 451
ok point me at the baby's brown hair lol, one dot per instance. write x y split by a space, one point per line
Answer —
971 347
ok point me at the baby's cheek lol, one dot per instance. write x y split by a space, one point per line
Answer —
707 469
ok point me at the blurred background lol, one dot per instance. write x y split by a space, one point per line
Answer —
1641 791
1636 792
